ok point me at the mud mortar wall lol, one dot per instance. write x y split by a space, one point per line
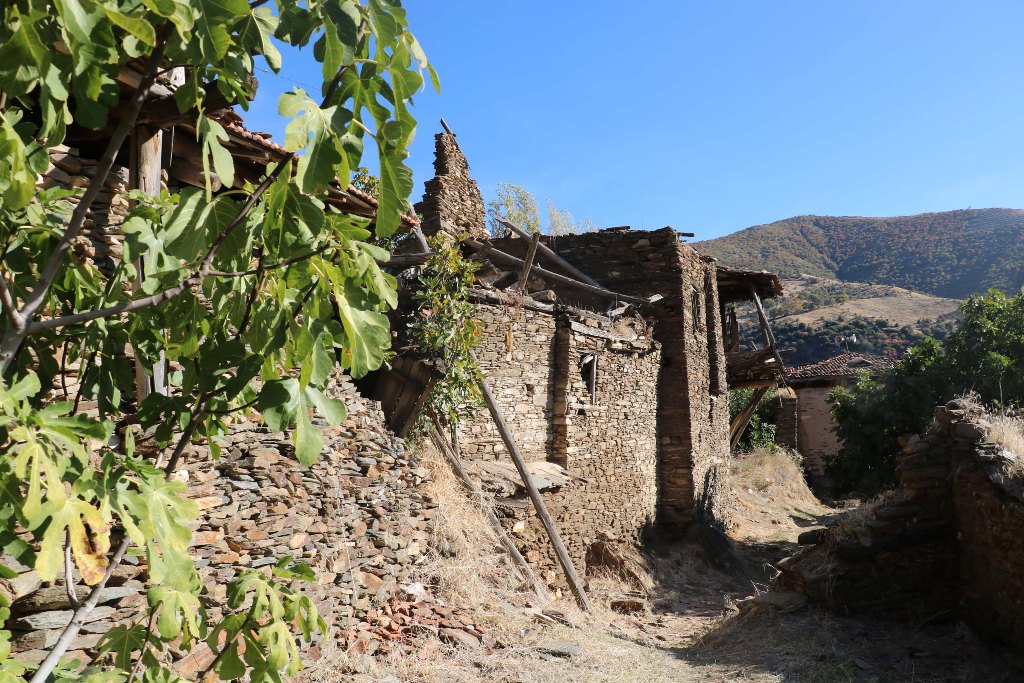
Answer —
946 543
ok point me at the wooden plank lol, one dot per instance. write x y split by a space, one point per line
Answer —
575 585
552 254
525 571
499 255
530 254
766 329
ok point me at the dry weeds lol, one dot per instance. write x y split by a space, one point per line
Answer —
1008 432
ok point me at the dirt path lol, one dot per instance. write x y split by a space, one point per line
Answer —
691 629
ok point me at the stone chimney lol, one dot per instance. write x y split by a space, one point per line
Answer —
452 201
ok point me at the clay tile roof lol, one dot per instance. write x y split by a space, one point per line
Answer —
233 125
843 365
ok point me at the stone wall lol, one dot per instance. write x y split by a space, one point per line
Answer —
451 200
533 364
945 544
817 432
693 411
357 517
100 240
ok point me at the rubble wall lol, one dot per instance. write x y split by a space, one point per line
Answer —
945 544
517 355
357 517
693 412
609 440
451 200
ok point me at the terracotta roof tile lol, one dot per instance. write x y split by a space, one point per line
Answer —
843 365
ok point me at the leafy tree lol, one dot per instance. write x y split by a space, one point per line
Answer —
560 221
985 355
516 205
365 181
252 297
760 432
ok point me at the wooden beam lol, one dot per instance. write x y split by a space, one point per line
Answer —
766 329
740 422
444 124
575 585
550 253
406 260
519 563
530 253
498 255
144 174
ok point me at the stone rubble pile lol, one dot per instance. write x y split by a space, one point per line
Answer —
358 517
400 619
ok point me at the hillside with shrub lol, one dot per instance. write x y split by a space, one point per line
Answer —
950 254
821 317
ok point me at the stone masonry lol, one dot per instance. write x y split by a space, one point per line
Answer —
357 517
944 544
693 411
536 363
452 201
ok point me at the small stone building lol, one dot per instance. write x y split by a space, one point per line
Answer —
816 437
631 397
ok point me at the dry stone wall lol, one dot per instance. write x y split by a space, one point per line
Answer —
693 412
533 361
358 517
451 201
945 544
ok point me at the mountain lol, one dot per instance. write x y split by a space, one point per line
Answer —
950 254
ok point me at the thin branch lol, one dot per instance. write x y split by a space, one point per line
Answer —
190 429
80 617
10 307
272 266
229 643
13 338
251 299
69 582
228 411
145 644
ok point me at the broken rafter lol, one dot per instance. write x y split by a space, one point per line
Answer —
547 251
740 422
491 252
530 254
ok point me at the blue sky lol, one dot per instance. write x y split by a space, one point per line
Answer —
715 116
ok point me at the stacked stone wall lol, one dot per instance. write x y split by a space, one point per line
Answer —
693 413
817 436
610 442
451 200
945 544
358 517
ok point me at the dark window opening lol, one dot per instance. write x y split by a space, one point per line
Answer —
588 369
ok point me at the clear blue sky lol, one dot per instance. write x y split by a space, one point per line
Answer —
714 116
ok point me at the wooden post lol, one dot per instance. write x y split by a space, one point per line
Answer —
766 329
531 488
444 124
421 239
456 463
145 162
544 249
530 253
488 249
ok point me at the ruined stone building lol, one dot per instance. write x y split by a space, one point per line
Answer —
629 397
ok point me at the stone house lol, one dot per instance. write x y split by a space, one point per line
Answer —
815 431
624 385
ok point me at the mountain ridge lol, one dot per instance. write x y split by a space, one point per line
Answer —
947 253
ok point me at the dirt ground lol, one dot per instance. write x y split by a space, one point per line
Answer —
690 628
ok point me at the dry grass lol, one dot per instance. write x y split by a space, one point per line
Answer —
1008 432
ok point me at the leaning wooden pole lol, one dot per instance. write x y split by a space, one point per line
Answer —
575 585
456 463
553 255
482 248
